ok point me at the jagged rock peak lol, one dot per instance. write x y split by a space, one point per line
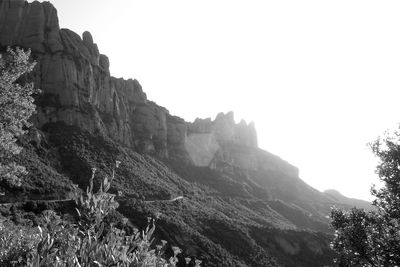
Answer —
242 122
228 117
87 38
226 130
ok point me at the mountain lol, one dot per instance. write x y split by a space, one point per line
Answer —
240 205
338 197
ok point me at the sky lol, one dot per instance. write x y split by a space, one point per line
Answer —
320 79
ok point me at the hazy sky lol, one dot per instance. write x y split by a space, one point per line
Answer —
320 78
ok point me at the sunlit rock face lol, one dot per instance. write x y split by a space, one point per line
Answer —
226 130
222 143
202 148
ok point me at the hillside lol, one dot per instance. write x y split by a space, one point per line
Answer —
241 205
338 197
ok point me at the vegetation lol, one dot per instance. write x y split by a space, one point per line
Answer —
16 107
91 241
373 238
209 223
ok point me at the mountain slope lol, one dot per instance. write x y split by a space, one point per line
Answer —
234 226
241 206
338 197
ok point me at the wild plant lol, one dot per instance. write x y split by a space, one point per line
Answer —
91 242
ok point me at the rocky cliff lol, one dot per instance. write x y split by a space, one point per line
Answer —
78 90
75 79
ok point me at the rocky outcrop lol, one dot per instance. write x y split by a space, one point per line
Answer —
76 82
223 144
78 90
33 25
226 130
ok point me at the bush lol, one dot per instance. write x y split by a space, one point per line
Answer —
16 242
92 243
89 242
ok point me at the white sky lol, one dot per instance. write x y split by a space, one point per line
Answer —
319 78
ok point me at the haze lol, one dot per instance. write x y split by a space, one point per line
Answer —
319 78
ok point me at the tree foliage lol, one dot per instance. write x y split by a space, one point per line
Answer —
16 107
373 238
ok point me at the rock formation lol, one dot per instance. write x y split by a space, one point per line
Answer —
76 82
79 90
226 130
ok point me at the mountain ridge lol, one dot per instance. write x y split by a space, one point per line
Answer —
235 193
347 200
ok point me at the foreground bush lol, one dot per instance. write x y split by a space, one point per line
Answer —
16 242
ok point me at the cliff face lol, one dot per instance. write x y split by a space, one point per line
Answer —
78 90
76 82
223 144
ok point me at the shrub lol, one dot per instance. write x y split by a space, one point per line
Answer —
92 243
16 242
